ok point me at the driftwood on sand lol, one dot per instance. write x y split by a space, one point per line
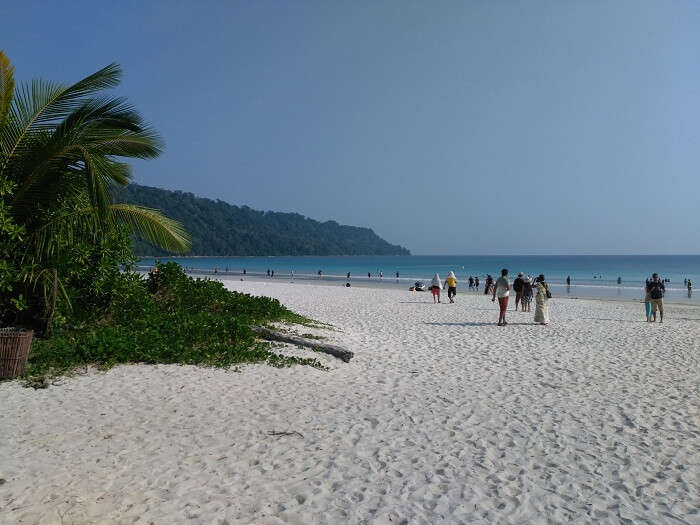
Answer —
335 350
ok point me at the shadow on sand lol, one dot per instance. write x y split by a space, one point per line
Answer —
479 324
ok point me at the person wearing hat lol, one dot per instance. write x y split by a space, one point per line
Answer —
541 301
526 295
451 283
518 289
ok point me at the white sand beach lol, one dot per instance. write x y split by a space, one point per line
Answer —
441 417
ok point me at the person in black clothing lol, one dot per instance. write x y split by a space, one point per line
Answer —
268 272
489 284
568 280
518 287
272 273
348 276
656 290
471 282
476 283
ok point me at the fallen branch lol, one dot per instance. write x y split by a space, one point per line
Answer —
334 350
292 433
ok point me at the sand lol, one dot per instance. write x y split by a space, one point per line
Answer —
441 417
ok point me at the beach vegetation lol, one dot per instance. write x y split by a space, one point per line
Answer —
62 151
168 317
66 253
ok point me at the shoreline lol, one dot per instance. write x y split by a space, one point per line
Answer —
392 286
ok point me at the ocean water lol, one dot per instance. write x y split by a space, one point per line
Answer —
591 275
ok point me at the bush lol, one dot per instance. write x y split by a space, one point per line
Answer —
167 318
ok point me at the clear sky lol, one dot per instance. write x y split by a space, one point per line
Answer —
448 127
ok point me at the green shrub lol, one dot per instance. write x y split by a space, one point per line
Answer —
167 318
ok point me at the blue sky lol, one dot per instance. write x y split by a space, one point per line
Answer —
448 127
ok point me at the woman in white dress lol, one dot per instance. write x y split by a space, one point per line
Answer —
541 301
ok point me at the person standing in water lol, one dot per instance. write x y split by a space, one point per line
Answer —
348 276
435 286
369 275
502 290
451 282
471 282
397 276
476 283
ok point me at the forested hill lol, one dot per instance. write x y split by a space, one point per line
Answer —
218 228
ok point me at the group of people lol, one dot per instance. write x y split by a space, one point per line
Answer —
525 289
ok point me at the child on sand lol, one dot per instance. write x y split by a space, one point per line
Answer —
451 282
435 286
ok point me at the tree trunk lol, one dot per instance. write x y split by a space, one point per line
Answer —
334 350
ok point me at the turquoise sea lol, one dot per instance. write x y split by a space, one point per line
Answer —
591 275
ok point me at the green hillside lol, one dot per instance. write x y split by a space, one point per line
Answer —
219 228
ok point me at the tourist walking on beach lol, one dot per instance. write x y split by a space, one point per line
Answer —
451 283
518 289
435 286
656 289
471 282
476 283
526 295
502 289
542 300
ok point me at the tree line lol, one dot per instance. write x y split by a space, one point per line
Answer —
219 228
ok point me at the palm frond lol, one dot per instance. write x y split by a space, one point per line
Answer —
43 103
49 237
96 131
153 226
7 89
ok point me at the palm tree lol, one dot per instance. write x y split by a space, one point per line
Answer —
59 163
59 146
